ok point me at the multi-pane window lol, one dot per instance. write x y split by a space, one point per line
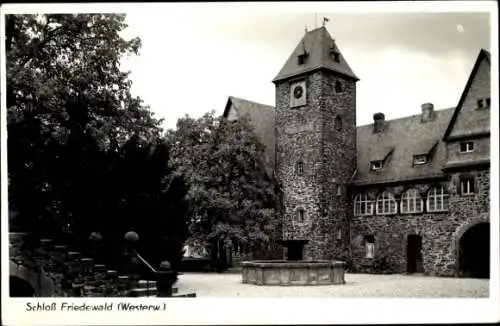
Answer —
363 205
411 202
467 186
437 200
419 159
466 147
386 204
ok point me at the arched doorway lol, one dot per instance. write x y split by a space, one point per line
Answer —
474 252
20 288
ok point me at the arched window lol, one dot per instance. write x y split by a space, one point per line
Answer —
386 204
337 123
338 87
437 199
363 205
411 202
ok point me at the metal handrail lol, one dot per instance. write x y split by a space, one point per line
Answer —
149 266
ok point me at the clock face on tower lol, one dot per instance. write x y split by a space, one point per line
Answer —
298 91
298 96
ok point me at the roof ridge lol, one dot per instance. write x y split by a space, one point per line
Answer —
245 100
408 116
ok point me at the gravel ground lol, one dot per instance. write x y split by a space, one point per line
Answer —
356 286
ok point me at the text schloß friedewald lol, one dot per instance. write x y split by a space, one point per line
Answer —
85 307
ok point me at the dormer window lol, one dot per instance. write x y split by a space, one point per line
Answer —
467 147
335 56
419 159
301 59
376 165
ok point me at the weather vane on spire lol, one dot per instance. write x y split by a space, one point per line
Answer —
325 20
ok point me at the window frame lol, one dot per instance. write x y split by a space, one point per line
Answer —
299 168
372 165
470 185
415 200
469 147
300 215
363 201
443 197
480 103
337 123
381 202
424 157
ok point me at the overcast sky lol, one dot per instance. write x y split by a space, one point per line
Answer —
193 57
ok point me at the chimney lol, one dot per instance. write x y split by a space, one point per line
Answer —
427 112
378 122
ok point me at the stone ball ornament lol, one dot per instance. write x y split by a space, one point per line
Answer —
95 237
131 237
165 266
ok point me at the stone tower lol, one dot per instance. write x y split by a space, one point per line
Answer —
316 144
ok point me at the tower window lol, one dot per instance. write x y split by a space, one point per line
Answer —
301 59
335 56
488 102
339 190
339 234
338 123
467 186
300 168
480 103
301 215
338 87
466 147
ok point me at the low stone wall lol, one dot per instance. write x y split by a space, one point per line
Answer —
290 273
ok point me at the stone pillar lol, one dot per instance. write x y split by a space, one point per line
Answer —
165 280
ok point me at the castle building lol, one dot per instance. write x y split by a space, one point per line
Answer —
409 195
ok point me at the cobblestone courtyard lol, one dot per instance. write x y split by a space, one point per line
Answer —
357 286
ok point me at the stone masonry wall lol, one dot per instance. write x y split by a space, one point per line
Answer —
440 232
307 134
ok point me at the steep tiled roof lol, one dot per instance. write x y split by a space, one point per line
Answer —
400 140
408 136
261 117
317 44
476 121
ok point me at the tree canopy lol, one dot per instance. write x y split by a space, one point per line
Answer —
232 197
85 155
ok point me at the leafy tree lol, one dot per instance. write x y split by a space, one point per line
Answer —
84 154
232 197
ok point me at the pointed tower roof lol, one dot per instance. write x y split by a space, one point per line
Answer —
316 51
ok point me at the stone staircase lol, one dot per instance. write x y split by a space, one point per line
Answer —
72 274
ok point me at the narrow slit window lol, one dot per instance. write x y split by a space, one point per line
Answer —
338 87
